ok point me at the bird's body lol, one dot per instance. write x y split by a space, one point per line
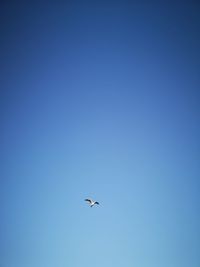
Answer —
91 202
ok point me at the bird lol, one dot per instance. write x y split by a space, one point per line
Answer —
91 202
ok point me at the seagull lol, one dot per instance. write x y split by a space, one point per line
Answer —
91 202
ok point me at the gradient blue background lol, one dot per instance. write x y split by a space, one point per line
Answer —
100 99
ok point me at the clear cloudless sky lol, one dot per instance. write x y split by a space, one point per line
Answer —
100 99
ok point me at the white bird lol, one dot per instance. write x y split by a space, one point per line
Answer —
91 202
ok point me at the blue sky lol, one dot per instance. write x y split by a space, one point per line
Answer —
100 99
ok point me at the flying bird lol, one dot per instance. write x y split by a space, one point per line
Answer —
91 202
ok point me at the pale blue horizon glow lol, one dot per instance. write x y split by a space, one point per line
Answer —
100 100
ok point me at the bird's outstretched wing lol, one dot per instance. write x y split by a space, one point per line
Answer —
96 202
88 200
